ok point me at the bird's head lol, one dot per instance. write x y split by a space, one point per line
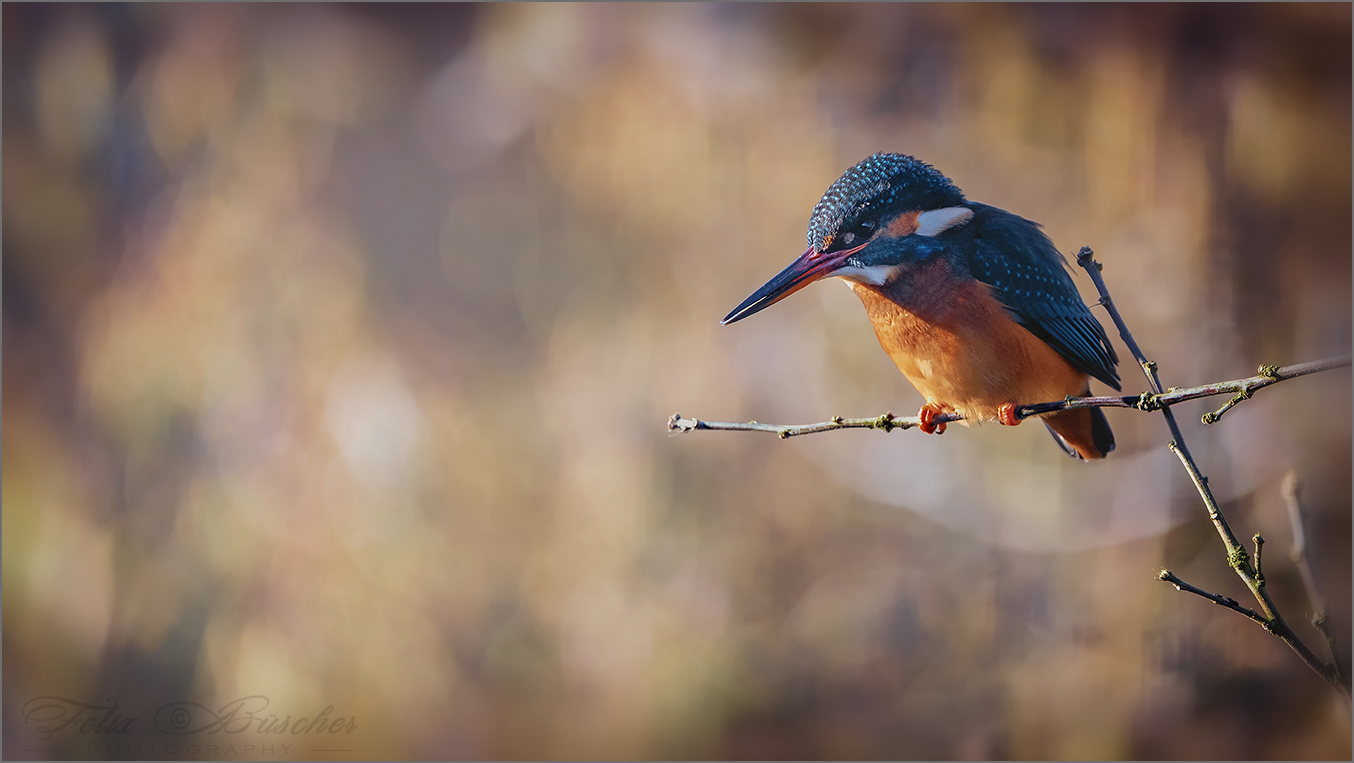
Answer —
878 218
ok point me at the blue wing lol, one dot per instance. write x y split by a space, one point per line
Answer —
1029 276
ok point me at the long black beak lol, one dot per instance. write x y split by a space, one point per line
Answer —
810 267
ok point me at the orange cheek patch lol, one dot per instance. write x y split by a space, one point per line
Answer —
903 225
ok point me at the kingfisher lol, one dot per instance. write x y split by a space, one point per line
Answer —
974 304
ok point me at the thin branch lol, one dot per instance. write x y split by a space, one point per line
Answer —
887 422
1236 553
1148 401
1293 500
1222 601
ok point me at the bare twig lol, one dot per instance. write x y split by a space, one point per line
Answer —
1222 601
1293 499
1148 401
1237 557
886 422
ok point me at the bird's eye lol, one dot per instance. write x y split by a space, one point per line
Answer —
866 226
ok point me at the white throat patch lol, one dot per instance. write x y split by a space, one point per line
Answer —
874 275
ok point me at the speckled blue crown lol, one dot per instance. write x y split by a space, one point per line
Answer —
883 184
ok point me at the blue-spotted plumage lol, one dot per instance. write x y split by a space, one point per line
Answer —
880 186
1029 276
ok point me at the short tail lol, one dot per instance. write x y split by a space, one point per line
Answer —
1082 433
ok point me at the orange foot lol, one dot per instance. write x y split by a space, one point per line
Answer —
927 413
1007 415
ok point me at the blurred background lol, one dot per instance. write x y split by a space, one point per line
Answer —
339 343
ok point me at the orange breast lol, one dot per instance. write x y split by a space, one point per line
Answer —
959 347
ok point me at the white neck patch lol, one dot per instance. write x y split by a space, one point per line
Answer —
937 221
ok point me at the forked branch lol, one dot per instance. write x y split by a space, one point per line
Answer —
1237 558
1155 399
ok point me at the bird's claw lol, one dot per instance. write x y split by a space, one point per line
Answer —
1006 414
926 418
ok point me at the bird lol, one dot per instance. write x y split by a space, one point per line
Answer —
974 304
